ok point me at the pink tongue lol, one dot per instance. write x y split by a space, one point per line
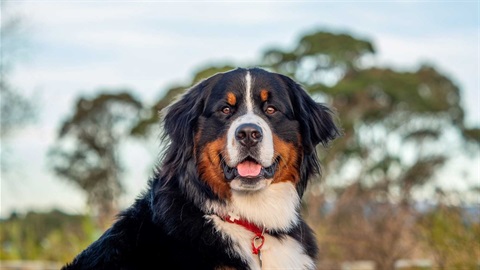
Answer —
249 168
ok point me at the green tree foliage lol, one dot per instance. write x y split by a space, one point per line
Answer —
452 236
53 236
319 52
381 108
87 151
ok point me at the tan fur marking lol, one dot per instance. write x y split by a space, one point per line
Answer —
231 99
210 168
289 165
263 95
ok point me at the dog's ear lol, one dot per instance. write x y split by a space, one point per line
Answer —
316 126
180 123
316 120
180 118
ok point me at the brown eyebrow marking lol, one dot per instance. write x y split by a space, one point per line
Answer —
231 99
264 95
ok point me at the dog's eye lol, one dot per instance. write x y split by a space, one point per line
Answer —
270 110
226 110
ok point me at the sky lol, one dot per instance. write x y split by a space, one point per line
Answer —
75 48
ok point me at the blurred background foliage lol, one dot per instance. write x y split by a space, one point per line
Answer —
52 236
16 109
86 153
400 129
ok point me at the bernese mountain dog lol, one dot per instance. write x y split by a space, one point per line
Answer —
241 146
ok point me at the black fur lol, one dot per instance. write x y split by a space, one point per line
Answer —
316 127
165 228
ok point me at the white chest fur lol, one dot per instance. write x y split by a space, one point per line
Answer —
275 208
277 253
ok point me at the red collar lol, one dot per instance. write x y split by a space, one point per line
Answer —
247 225
258 239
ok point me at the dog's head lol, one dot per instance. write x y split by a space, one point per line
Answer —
245 130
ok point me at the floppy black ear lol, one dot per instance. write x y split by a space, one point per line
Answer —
180 118
316 120
180 121
316 126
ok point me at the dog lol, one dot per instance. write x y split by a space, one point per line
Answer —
241 147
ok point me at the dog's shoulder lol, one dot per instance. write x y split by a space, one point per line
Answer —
118 245
174 234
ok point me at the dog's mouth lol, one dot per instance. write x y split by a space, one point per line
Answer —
249 168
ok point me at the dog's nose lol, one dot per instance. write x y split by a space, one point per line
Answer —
248 134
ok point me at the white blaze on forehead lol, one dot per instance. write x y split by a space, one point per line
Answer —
265 147
248 92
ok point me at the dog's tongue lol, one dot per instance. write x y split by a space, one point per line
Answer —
249 169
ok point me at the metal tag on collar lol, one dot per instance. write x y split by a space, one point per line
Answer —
257 244
260 258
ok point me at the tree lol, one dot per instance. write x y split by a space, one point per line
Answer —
319 55
87 151
15 109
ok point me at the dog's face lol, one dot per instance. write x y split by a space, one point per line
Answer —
248 136
249 129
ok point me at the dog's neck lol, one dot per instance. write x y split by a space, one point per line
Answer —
276 207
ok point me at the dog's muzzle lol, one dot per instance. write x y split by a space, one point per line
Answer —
249 136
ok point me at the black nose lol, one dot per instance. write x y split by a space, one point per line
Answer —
249 134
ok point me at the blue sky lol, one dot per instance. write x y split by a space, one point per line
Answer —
78 47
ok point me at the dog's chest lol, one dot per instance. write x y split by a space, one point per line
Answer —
276 253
